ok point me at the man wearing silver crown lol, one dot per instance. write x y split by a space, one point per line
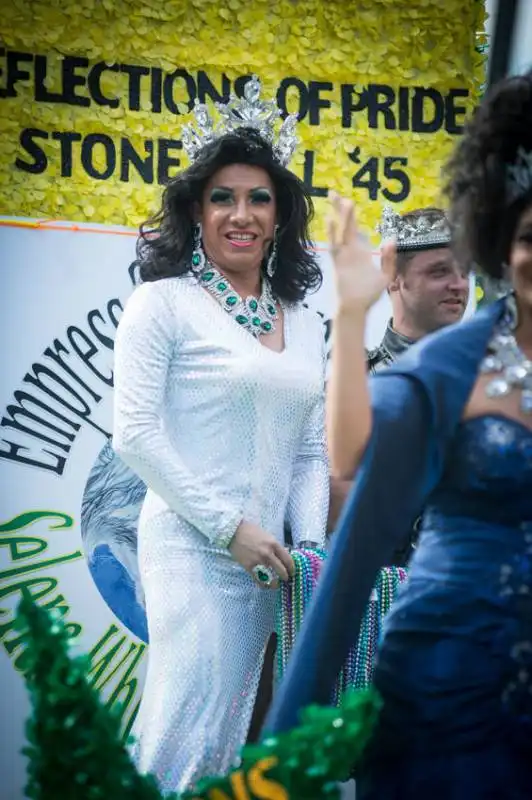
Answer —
219 408
429 291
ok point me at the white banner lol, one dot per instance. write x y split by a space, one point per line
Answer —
69 505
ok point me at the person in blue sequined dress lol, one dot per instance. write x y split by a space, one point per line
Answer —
450 426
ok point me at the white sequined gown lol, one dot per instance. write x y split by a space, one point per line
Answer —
221 429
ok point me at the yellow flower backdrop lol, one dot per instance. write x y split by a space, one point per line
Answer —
94 94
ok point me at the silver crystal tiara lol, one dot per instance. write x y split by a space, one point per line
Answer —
246 112
421 233
519 176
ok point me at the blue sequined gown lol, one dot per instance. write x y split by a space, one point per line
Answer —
455 665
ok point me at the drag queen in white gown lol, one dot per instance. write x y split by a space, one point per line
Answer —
219 390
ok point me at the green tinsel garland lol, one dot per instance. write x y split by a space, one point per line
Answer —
75 750
74 746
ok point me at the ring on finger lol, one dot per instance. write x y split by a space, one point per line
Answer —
264 575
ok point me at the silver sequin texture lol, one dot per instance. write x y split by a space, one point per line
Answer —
220 429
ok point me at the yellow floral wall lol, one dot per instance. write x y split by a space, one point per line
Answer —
92 105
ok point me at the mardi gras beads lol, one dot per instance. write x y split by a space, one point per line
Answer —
295 598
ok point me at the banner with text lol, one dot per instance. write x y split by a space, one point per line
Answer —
94 95
68 523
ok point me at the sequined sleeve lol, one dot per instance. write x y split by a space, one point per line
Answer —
308 505
147 338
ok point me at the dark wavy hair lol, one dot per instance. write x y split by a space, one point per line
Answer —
164 248
483 220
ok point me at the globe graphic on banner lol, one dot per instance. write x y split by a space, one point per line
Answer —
111 505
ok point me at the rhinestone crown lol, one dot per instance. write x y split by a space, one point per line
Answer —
421 233
248 111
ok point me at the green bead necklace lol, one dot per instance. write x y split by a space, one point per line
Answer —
255 316
295 599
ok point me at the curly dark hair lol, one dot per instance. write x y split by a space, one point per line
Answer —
164 248
483 220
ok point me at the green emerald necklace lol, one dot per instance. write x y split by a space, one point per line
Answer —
258 316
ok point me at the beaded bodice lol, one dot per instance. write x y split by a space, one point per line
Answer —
220 427
488 477
469 592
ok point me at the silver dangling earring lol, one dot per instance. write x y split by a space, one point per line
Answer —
512 311
271 264
198 255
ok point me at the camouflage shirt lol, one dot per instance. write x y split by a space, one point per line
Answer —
392 346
